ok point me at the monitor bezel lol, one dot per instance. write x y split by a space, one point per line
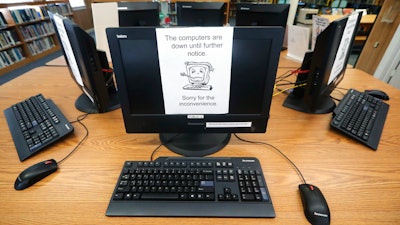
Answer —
151 10
187 134
246 12
185 12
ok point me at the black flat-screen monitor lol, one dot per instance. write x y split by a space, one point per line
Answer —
325 67
261 14
138 14
200 13
88 67
254 62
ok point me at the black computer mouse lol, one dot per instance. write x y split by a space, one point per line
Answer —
377 94
35 173
315 206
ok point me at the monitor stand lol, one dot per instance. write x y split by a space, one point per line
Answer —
195 144
326 104
84 104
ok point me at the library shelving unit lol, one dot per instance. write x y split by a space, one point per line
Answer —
26 32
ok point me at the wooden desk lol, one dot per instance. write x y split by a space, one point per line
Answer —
362 186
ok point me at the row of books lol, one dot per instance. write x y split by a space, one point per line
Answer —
14 55
8 38
37 30
25 15
41 45
60 8
35 13
10 56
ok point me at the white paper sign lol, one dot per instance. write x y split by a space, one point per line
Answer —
58 20
319 25
195 65
344 46
67 48
298 41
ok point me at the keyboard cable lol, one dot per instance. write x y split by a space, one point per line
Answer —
280 153
251 142
159 146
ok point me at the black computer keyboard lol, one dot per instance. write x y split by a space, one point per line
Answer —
197 187
36 123
361 117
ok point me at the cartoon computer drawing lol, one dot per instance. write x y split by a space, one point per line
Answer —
198 74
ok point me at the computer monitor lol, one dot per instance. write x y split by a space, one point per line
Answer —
200 13
88 67
261 14
138 14
325 67
254 60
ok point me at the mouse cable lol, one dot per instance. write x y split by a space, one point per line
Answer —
280 153
78 120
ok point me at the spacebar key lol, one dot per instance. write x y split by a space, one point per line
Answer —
160 196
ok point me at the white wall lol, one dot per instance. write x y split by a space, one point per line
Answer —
104 15
388 69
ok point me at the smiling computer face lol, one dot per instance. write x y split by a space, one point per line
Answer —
198 75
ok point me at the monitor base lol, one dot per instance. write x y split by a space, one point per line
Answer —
84 104
195 144
326 105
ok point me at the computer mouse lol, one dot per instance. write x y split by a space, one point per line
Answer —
315 206
377 94
35 173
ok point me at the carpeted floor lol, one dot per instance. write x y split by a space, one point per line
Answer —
17 72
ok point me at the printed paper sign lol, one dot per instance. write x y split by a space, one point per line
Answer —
195 66
344 46
319 25
58 20
67 48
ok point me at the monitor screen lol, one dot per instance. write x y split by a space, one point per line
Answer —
326 67
88 67
131 14
200 13
261 14
135 58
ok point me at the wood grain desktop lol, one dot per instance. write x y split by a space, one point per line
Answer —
361 186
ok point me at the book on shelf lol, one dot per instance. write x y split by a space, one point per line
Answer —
43 11
3 21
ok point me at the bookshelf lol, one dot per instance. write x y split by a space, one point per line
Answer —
26 32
